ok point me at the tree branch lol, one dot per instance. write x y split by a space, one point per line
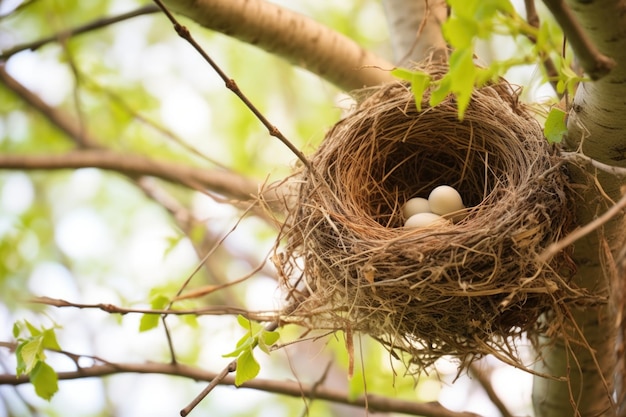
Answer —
586 353
594 62
222 182
533 19
94 25
184 33
292 36
375 403
113 309
57 118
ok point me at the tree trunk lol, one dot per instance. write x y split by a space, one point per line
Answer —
596 125
415 29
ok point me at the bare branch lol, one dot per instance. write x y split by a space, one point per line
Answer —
533 19
292 36
222 182
484 380
596 64
94 25
205 311
54 116
556 247
184 33
293 389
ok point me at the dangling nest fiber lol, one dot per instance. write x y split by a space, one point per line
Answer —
464 289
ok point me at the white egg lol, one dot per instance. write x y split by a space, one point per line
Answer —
445 199
425 219
414 206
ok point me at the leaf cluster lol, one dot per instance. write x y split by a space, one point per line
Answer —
256 335
31 357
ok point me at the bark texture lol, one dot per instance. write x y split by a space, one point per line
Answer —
295 37
597 126
415 29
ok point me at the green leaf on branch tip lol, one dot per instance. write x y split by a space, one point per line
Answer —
49 339
267 339
45 380
419 80
29 353
150 321
556 125
460 32
247 368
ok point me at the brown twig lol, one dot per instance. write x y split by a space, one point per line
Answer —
577 234
184 33
594 63
196 178
57 118
289 388
96 24
533 19
483 379
231 367
113 309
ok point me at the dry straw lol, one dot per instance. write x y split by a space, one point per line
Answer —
464 289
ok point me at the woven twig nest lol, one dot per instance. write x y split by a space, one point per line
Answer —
462 289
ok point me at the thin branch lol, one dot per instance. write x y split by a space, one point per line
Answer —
618 172
184 33
222 182
205 311
289 388
94 25
533 20
298 39
594 63
577 234
230 368
483 379
54 116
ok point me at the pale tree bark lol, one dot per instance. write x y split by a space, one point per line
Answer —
597 126
415 29
295 37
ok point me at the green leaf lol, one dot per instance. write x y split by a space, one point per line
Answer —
245 343
32 329
149 322
45 380
50 340
441 92
247 368
267 339
244 322
419 80
20 368
556 125
16 329
460 32
31 353
463 74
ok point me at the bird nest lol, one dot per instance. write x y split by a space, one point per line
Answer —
465 288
